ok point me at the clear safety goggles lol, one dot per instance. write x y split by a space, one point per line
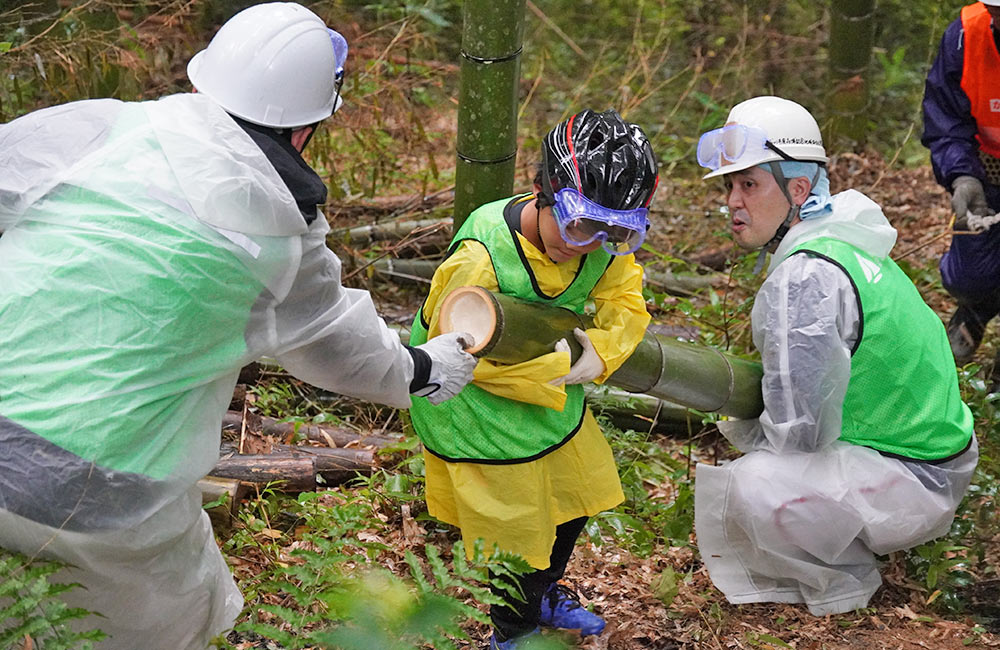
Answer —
732 144
582 221
340 54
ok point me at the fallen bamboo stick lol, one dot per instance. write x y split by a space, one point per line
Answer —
334 465
643 412
406 270
421 270
293 473
511 330
397 230
331 436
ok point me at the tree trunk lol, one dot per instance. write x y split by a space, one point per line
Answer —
852 33
487 103
510 330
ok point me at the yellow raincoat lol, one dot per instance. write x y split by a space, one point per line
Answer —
518 506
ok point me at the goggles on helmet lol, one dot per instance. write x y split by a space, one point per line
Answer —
734 143
582 221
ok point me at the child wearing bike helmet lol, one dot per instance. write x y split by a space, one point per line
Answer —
516 458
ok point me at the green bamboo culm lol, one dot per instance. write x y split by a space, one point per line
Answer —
688 374
492 31
852 34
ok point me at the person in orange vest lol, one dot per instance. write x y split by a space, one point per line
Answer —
962 130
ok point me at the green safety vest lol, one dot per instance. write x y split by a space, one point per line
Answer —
903 398
476 425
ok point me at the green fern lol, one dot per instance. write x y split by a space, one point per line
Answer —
30 605
327 593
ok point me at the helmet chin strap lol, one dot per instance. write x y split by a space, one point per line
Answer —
793 211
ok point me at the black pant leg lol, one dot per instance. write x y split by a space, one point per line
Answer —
522 617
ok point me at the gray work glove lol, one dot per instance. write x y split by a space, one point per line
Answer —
968 199
451 366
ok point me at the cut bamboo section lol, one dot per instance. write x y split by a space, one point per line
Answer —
510 330
229 492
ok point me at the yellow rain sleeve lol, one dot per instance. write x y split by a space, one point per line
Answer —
527 382
621 319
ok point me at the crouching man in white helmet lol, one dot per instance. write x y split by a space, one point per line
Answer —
864 446
151 250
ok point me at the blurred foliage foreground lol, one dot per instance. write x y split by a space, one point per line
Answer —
365 566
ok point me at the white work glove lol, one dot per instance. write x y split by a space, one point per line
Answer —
451 366
968 200
588 367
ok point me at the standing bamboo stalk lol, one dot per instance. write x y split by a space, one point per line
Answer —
487 103
852 34
511 330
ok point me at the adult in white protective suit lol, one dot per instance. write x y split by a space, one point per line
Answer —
150 251
864 446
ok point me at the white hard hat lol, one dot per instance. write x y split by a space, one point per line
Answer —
273 64
776 123
992 3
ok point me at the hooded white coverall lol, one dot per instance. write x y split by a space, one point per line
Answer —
800 517
150 251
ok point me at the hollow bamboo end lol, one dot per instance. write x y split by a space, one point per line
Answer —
473 311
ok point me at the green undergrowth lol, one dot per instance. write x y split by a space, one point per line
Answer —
323 575
31 606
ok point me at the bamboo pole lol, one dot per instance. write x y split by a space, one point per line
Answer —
852 33
643 412
394 230
487 103
406 270
511 330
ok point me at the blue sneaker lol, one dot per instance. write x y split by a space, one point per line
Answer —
515 643
561 609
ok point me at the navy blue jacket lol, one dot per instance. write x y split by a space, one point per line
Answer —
949 128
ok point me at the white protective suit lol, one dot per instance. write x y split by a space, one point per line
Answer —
150 251
800 517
